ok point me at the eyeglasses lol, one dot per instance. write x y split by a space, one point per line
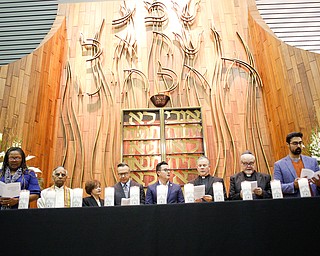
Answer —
296 143
166 170
60 174
17 158
123 174
247 164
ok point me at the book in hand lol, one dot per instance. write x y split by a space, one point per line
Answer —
10 190
309 174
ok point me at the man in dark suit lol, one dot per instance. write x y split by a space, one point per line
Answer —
122 188
204 178
288 169
174 191
249 173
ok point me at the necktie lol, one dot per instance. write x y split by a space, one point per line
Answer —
126 190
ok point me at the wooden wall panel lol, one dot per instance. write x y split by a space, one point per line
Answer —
290 76
72 118
90 125
28 96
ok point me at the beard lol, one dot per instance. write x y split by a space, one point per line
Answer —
297 151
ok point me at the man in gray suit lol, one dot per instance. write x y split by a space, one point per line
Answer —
122 188
249 173
288 169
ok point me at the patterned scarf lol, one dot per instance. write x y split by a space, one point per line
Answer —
16 175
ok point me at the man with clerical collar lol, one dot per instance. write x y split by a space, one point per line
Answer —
63 194
249 173
288 169
122 188
204 178
173 191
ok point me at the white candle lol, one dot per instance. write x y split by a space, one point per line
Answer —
275 184
189 193
109 196
24 199
218 192
276 189
246 190
134 195
245 185
304 187
161 194
77 197
50 198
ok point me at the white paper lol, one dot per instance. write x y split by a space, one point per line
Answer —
109 196
10 189
125 201
246 190
254 185
199 191
162 191
218 192
24 199
189 193
50 199
309 174
134 195
77 197
304 187
276 189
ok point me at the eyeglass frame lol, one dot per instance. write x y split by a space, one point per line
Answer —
296 143
247 164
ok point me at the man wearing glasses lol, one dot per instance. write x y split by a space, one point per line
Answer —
249 173
58 195
173 191
122 188
288 169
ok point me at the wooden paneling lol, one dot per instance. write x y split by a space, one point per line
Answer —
28 96
290 78
232 102
72 118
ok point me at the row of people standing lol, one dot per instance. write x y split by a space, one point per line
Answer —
287 170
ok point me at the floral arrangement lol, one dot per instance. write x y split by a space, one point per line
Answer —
314 146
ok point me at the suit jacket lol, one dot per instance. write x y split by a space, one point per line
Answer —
263 181
175 194
90 201
285 172
119 193
209 189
